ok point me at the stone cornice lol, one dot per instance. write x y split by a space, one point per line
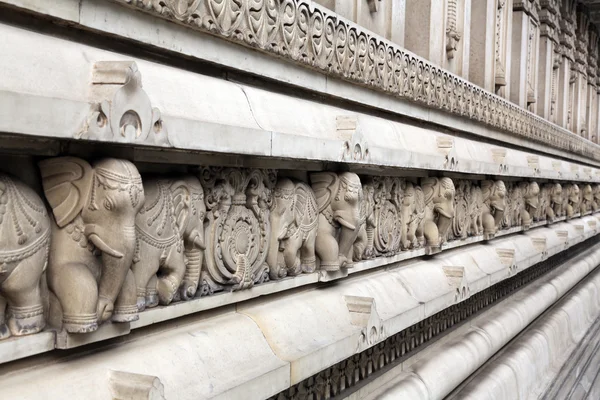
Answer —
315 37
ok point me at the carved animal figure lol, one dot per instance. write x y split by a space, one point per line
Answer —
556 208
494 204
24 244
530 192
413 215
93 240
171 220
542 210
587 198
476 211
339 217
596 202
573 200
439 210
293 219
363 246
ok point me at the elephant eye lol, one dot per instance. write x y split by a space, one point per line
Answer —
108 204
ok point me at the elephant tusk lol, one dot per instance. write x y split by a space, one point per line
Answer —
99 243
345 223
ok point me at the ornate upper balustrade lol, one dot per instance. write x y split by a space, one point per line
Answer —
313 36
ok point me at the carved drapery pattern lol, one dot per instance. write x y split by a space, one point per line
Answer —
312 35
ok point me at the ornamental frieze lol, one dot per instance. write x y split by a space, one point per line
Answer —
114 243
309 34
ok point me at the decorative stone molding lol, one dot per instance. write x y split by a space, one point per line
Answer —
129 386
121 244
318 38
363 313
128 116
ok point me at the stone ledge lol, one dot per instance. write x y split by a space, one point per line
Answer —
497 115
310 132
476 265
543 346
299 333
69 106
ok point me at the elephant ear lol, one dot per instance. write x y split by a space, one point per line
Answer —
303 203
67 182
324 185
181 203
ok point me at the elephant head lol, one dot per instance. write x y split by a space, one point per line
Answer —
100 203
190 212
557 194
494 199
531 192
596 202
439 200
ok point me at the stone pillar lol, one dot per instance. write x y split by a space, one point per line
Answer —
525 53
592 97
579 125
548 61
439 31
384 17
566 80
490 45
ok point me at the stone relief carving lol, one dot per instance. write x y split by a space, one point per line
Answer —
238 233
93 240
572 200
413 216
24 245
314 36
128 116
452 34
170 241
338 198
293 219
225 229
439 211
494 205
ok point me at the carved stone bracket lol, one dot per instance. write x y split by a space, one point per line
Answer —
124 112
363 313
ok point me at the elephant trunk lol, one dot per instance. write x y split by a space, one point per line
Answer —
189 285
275 270
117 255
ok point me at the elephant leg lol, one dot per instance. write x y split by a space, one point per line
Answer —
360 245
143 271
290 255
23 296
152 292
307 253
126 309
76 289
170 275
4 331
418 235
328 251
431 233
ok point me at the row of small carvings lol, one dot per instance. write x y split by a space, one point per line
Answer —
117 245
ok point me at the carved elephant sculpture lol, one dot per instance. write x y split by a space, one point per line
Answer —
555 209
413 215
93 240
596 202
494 204
587 199
475 211
170 241
24 245
363 247
439 211
339 217
294 221
530 192
573 200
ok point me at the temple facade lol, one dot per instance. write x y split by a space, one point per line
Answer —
296 199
